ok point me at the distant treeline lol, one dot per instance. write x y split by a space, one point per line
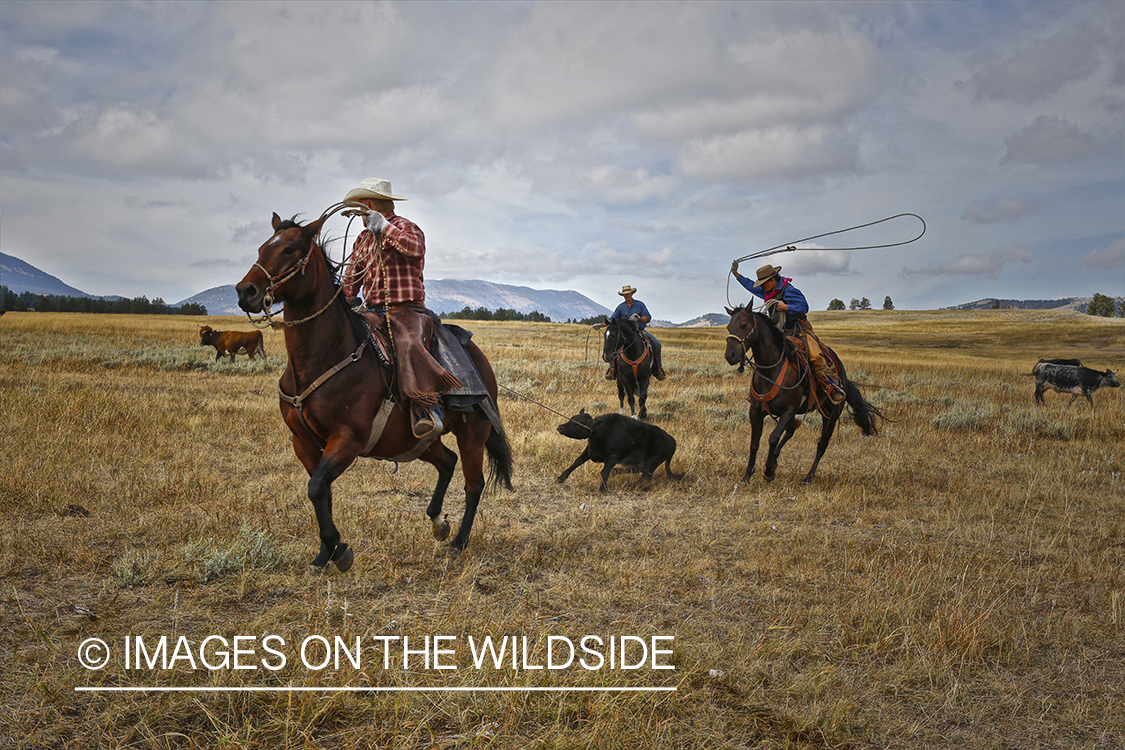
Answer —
9 300
483 313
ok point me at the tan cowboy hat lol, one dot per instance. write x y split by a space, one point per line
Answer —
765 273
373 188
627 290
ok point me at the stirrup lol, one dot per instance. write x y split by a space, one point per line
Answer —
426 426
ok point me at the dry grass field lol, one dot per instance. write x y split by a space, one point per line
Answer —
957 581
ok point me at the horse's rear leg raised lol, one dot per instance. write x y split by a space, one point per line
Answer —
445 461
827 427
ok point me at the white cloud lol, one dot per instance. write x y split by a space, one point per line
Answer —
1050 140
552 141
1109 258
1002 209
1041 68
988 265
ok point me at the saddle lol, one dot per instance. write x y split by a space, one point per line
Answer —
444 361
798 335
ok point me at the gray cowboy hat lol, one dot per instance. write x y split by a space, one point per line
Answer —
765 273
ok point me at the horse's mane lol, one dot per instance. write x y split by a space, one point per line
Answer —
335 270
775 332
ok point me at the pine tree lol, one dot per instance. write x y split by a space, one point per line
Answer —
1101 305
887 304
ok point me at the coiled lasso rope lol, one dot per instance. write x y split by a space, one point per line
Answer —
791 246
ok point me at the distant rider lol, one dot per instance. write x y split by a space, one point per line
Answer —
635 310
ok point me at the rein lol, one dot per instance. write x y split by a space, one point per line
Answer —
620 351
267 320
758 369
297 402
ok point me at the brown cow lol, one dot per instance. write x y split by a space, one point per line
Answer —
232 342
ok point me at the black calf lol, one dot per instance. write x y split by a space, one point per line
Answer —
614 439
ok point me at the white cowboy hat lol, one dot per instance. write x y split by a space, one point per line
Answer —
627 290
373 188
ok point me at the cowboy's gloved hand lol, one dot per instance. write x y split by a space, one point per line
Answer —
376 222
734 268
635 317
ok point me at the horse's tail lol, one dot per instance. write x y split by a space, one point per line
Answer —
867 417
499 458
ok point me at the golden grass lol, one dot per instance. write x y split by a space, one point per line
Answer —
956 581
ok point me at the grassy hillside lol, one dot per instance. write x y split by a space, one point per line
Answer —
957 581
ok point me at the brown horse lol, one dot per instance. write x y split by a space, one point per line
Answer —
783 386
335 393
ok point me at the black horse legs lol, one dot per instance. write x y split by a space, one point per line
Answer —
320 494
472 498
786 426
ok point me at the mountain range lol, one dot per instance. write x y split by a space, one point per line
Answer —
20 276
442 295
453 295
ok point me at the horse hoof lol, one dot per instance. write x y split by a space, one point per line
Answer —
768 477
343 557
441 528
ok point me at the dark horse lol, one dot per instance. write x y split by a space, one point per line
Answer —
628 349
783 387
335 395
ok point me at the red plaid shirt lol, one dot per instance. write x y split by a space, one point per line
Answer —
404 257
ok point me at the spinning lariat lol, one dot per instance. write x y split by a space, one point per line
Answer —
789 247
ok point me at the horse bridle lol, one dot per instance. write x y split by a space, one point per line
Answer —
745 349
621 338
268 299
299 266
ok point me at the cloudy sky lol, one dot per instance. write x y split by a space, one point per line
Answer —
576 145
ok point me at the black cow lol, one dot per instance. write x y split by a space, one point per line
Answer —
1073 379
614 439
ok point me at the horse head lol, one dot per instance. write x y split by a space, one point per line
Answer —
741 332
279 274
620 334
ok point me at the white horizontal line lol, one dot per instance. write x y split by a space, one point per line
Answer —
300 689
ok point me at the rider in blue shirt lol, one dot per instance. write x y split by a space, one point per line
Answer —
770 285
636 311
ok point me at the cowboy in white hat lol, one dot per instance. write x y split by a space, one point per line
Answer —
387 261
769 285
635 310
